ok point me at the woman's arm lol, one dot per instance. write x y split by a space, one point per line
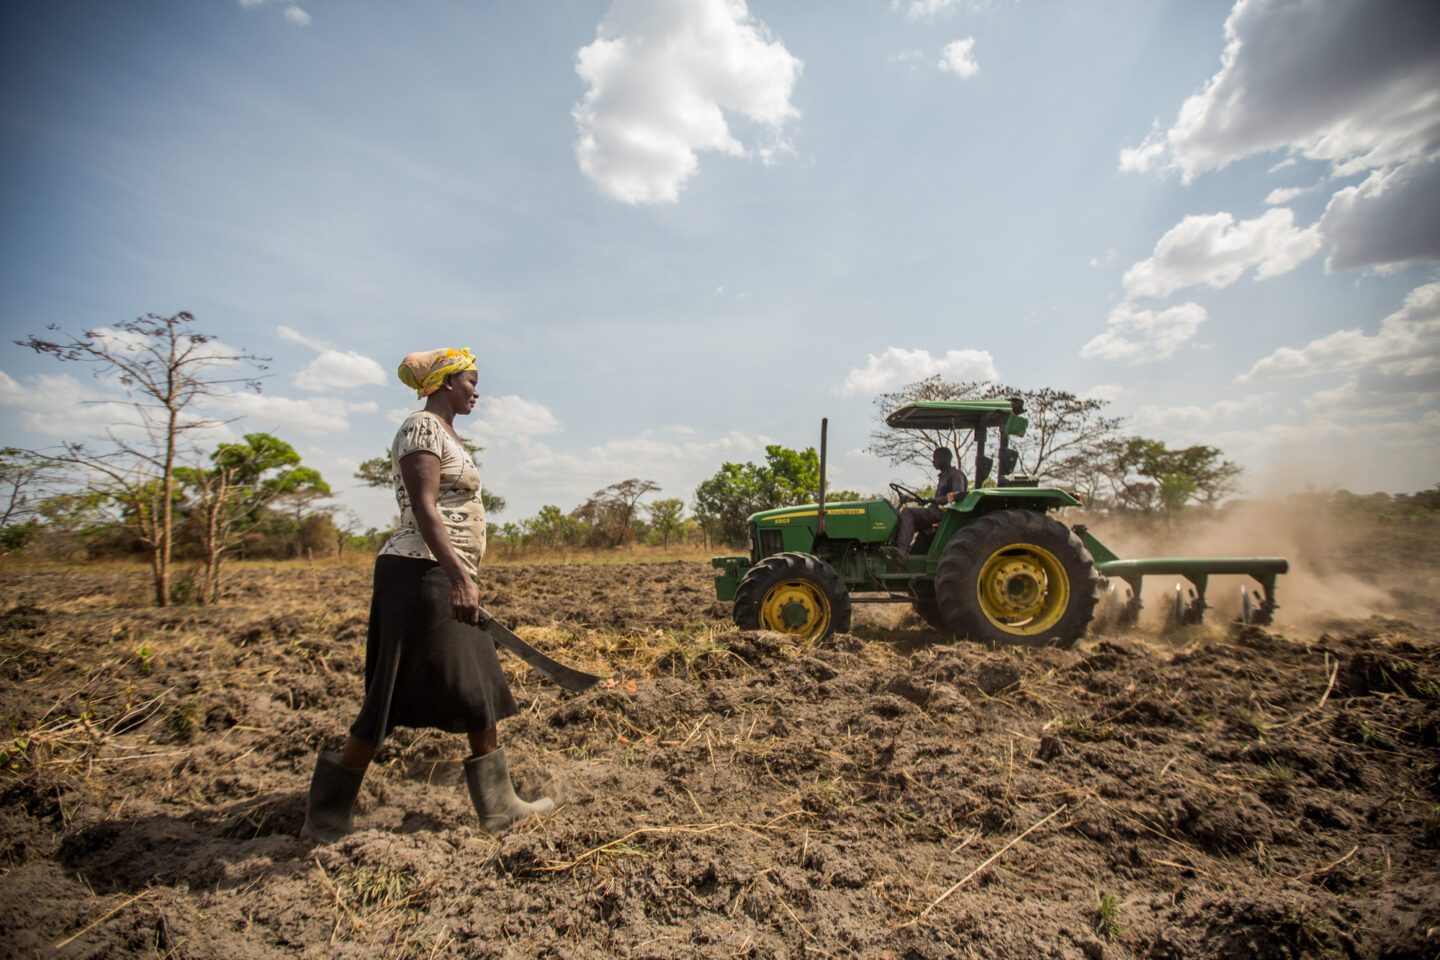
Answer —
420 472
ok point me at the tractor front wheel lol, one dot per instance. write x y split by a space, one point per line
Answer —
1017 577
793 593
925 605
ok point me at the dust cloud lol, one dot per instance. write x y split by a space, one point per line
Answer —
1336 569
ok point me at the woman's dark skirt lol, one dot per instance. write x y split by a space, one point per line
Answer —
424 668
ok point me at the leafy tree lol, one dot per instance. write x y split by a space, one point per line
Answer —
1175 477
292 516
553 527
166 370
1066 436
726 500
665 518
375 472
229 497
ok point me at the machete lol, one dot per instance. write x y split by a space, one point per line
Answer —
562 676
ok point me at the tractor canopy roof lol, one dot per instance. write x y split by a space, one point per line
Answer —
961 415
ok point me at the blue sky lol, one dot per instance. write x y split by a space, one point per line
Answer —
677 231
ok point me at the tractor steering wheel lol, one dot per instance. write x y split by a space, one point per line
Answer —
904 494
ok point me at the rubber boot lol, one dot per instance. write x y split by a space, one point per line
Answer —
488 778
332 797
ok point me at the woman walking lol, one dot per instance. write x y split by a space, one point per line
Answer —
427 662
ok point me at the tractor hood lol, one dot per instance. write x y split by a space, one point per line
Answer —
962 415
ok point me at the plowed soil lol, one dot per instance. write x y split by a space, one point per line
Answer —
1218 792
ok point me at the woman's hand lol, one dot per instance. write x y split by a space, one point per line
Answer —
464 599
420 472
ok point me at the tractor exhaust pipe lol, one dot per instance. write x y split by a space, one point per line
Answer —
820 516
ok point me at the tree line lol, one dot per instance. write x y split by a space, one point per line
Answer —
143 486
1071 443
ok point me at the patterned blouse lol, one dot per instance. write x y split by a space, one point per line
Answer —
459 501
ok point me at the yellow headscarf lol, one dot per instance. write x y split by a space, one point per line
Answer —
425 371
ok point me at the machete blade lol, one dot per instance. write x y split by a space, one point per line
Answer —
567 678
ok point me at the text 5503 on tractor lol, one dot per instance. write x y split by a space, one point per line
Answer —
996 568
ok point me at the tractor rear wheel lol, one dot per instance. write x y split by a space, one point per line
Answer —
793 593
1017 577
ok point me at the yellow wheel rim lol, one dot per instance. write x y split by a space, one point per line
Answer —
1023 589
796 607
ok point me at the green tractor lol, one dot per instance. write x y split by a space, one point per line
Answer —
996 568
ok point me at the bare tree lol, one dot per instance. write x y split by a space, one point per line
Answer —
165 369
26 480
1067 434
612 510
348 527
914 446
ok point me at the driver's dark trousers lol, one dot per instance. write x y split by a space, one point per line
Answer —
912 519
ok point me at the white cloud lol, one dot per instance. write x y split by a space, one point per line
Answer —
295 336
292 12
512 418
368 406
58 405
1390 220
1192 416
1391 379
1108 392
931 9
1351 83
662 77
312 416
207 352
335 369
1348 81
922 9
332 369
905 56
1144 335
1213 249
897 367
508 419
1149 154
958 58
1283 195
1406 347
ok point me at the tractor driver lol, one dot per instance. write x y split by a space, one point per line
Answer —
950 484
